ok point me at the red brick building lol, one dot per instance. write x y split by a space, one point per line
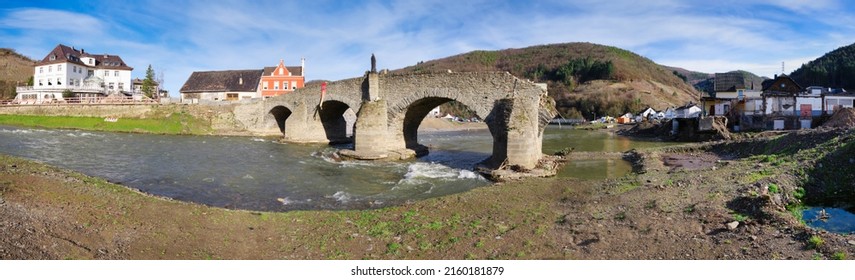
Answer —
282 79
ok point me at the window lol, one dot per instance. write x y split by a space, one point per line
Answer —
50 68
40 82
111 85
115 73
121 85
58 82
281 71
231 96
59 68
294 87
41 69
285 85
275 85
91 61
266 85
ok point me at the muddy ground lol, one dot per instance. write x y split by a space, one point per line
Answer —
690 202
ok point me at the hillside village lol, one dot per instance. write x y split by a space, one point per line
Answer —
687 201
67 75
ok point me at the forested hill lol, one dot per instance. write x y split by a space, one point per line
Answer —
16 68
835 69
585 79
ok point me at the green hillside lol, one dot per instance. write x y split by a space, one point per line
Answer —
585 79
16 69
835 69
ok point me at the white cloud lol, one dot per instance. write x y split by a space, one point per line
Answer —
51 21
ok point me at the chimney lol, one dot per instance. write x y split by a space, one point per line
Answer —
303 66
82 51
240 80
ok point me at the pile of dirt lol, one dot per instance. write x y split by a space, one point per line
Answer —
703 129
647 129
842 118
719 127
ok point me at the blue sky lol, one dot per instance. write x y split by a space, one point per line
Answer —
337 37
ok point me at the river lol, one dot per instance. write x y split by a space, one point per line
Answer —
261 174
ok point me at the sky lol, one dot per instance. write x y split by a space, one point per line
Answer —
337 37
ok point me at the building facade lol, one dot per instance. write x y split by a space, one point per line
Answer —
67 70
281 79
734 95
228 85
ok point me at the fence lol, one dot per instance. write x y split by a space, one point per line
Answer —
108 100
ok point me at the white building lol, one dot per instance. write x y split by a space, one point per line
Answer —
688 111
837 100
83 74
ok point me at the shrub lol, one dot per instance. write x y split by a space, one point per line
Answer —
815 241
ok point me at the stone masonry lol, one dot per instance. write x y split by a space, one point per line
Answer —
390 108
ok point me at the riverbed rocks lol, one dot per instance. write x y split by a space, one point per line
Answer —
548 166
732 225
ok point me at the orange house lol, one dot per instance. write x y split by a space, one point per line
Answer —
282 79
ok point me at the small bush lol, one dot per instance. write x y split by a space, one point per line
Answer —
815 241
773 188
799 193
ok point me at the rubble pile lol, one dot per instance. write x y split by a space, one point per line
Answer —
842 118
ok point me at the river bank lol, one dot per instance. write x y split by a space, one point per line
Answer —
171 119
698 201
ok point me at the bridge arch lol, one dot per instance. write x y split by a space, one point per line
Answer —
278 116
334 117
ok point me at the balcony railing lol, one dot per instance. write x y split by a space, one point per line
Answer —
61 88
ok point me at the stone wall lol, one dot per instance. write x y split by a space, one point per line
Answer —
81 110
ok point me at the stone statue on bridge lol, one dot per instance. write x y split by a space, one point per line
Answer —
373 64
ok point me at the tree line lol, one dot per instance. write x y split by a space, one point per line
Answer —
575 71
835 69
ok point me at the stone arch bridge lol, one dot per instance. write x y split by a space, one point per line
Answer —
390 108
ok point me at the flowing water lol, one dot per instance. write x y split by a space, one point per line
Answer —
260 174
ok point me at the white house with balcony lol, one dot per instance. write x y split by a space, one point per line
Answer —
85 75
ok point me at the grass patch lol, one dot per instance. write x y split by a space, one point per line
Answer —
177 123
757 176
799 193
839 256
773 188
392 248
815 241
739 217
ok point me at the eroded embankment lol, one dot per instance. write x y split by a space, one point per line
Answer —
749 192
